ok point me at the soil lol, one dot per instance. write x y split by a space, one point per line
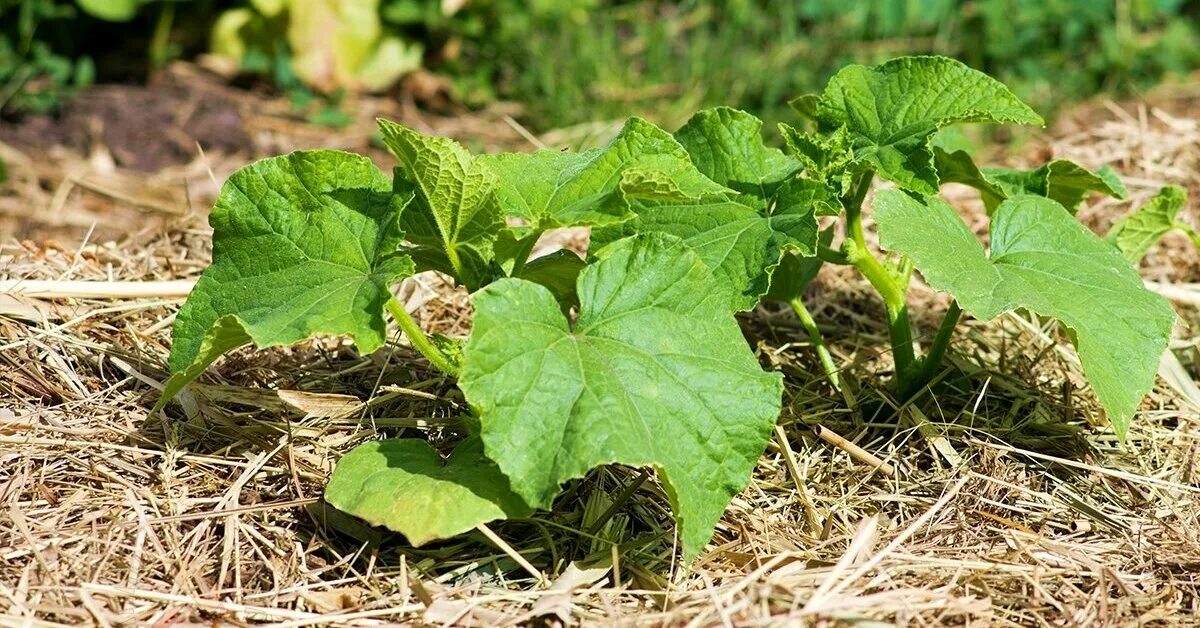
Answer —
146 128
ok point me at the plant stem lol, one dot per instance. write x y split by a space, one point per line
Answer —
937 352
817 340
884 282
419 340
832 256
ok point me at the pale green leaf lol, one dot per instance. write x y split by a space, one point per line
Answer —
405 486
1136 233
550 189
303 244
892 110
741 239
454 219
655 372
1043 260
727 146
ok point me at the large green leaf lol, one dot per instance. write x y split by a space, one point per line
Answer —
655 372
727 146
1045 261
404 485
1136 233
303 244
892 110
549 189
741 239
454 218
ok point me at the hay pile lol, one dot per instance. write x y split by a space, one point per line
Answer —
1004 505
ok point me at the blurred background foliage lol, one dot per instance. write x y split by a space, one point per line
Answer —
573 62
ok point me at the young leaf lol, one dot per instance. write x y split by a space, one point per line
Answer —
1043 260
404 485
892 110
303 244
825 158
655 372
1136 233
740 239
550 189
453 219
727 146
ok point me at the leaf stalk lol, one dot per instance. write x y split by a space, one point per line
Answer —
419 340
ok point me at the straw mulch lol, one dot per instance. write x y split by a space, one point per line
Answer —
1008 501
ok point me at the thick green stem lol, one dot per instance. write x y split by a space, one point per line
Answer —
937 352
831 256
817 340
419 340
884 281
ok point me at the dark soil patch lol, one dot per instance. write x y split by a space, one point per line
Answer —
145 128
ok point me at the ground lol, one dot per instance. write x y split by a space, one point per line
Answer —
1008 501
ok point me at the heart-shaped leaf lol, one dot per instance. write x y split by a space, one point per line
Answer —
1043 260
303 244
404 485
655 372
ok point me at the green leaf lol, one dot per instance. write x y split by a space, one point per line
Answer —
550 189
557 271
110 10
655 372
959 167
827 158
1137 232
794 273
727 146
1043 260
403 485
1060 180
892 110
303 244
454 219
740 239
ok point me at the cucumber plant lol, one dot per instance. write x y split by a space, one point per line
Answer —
633 355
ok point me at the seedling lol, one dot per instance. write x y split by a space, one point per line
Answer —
633 356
